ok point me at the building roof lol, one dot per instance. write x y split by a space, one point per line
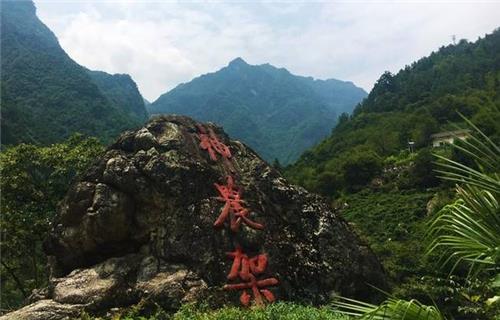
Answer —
446 134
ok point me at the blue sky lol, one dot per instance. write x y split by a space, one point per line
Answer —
164 43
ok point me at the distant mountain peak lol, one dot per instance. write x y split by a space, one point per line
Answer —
237 62
266 107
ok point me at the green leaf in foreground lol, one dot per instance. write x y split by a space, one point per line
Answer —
392 308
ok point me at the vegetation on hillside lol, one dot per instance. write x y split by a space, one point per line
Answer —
420 100
276 113
46 96
34 180
468 231
122 91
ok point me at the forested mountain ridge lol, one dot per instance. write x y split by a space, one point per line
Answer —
275 112
122 91
46 96
422 99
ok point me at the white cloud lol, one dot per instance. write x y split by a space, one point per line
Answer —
161 44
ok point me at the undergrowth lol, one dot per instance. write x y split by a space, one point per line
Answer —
276 311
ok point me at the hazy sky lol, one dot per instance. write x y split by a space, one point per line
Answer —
163 43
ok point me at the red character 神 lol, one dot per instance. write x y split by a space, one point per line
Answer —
210 142
247 269
233 207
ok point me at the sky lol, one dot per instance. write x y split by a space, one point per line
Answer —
164 43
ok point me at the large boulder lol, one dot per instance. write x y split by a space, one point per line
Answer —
139 224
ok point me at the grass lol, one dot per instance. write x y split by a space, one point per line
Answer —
281 311
276 311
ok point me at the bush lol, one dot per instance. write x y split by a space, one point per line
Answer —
329 183
423 172
359 168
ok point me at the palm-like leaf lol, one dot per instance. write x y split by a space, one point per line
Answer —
392 308
487 156
469 229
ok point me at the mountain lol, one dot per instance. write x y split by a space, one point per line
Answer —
421 99
122 91
46 96
275 112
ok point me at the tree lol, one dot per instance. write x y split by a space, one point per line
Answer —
422 173
34 180
329 184
359 168
343 118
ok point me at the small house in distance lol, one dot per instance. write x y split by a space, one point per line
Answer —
448 137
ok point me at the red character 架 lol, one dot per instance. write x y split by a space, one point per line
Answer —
247 269
233 208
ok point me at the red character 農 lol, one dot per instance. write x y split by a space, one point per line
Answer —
233 208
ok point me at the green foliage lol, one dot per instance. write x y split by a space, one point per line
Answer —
46 96
392 308
34 180
276 113
469 228
360 169
281 311
468 231
422 173
276 311
122 91
392 223
410 106
460 298
420 100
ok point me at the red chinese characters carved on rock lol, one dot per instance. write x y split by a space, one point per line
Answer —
244 268
210 142
233 207
247 269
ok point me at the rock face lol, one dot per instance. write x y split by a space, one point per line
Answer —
139 225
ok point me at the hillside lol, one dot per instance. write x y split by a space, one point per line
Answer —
122 91
275 112
390 194
420 100
46 96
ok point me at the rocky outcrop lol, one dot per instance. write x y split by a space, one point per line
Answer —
139 225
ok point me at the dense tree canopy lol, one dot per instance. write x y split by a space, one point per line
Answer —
34 180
